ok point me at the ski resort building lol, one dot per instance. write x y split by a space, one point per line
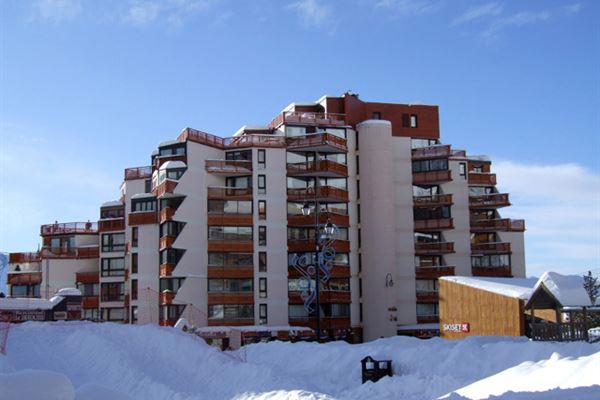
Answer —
210 228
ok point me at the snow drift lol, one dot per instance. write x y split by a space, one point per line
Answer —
87 361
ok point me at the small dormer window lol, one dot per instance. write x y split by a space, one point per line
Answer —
413 121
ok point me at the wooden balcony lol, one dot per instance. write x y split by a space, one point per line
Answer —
236 142
167 186
167 322
160 160
231 298
87 277
231 272
560 332
229 167
231 322
143 218
24 278
19 258
340 246
319 142
244 246
138 173
337 271
230 219
482 178
309 220
490 248
502 225
433 272
434 224
324 168
435 200
166 214
498 272
90 302
67 228
427 296
425 178
326 296
166 270
440 151
111 224
324 194
492 200
166 297
71 252
428 319
166 242
229 193
422 249
308 118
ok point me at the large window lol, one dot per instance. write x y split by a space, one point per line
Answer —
426 285
229 207
428 237
144 205
112 212
480 190
113 242
428 261
112 291
88 289
340 259
309 234
241 155
291 131
172 312
230 285
113 314
239 181
92 314
237 233
491 261
231 311
432 213
427 310
418 143
171 228
171 256
25 290
171 284
439 164
230 259
113 266
174 150
426 190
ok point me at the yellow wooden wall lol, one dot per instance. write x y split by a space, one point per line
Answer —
487 313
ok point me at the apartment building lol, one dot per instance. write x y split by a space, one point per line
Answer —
209 230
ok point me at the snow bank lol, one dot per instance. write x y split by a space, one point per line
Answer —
151 363
33 384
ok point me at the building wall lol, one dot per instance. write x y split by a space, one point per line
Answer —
517 245
488 314
461 234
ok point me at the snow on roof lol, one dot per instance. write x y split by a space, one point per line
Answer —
567 289
154 152
519 288
69 292
10 303
142 195
168 143
113 203
375 122
173 164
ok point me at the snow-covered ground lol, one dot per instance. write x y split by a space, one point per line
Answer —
87 361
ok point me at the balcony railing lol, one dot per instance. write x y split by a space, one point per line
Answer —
167 186
420 178
322 142
440 151
30 278
305 245
318 168
428 296
309 220
14 258
559 332
231 245
229 167
230 297
482 178
491 248
426 319
231 271
229 193
165 270
167 297
112 224
90 302
501 272
235 142
434 224
230 219
87 277
433 272
324 193
69 228
138 173
491 200
434 248
166 242
143 218
71 252
433 200
505 225
308 118
166 214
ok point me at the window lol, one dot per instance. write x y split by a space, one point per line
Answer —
230 259
413 121
477 168
426 285
134 263
231 311
428 261
171 284
356 139
242 155
491 261
148 186
427 310
262 209
172 312
262 261
440 164
88 289
134 236
262 314
113 242
113 314
337 285
358 189
25 290
262 159
230 285
174 150
134 289
143 205
171 228
359 287
92 314
335 310
376 115
357 165
113 266
359 262
462 169
262 184
171 256
113 291
360 311
262 235
233 233
112 212
134 314
291 131
238 181
262 287
426 190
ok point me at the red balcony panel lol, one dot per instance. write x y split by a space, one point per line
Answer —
231 272
166 270
326 296
423 178
67 228
500 272
301 220
167 297
427 297
90 302
16 258
321 142
229 193
433 272
112 224
71 252
143 218
434 224
432 201
243 246
318 168
231 322
491 248
196 136
230 219
337 271
503 225
434 248
27 278
166 242
440 151
428 319
229 167
230 298
166 214
492 200
87 277
340 246
168 186
482 178
138 173
308 118
324 194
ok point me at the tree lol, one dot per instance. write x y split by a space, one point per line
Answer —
592 286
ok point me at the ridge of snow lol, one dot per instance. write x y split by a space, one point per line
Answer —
567 289
518 288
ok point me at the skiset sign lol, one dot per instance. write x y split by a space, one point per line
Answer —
464 327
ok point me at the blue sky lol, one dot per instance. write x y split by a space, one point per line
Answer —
88 88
